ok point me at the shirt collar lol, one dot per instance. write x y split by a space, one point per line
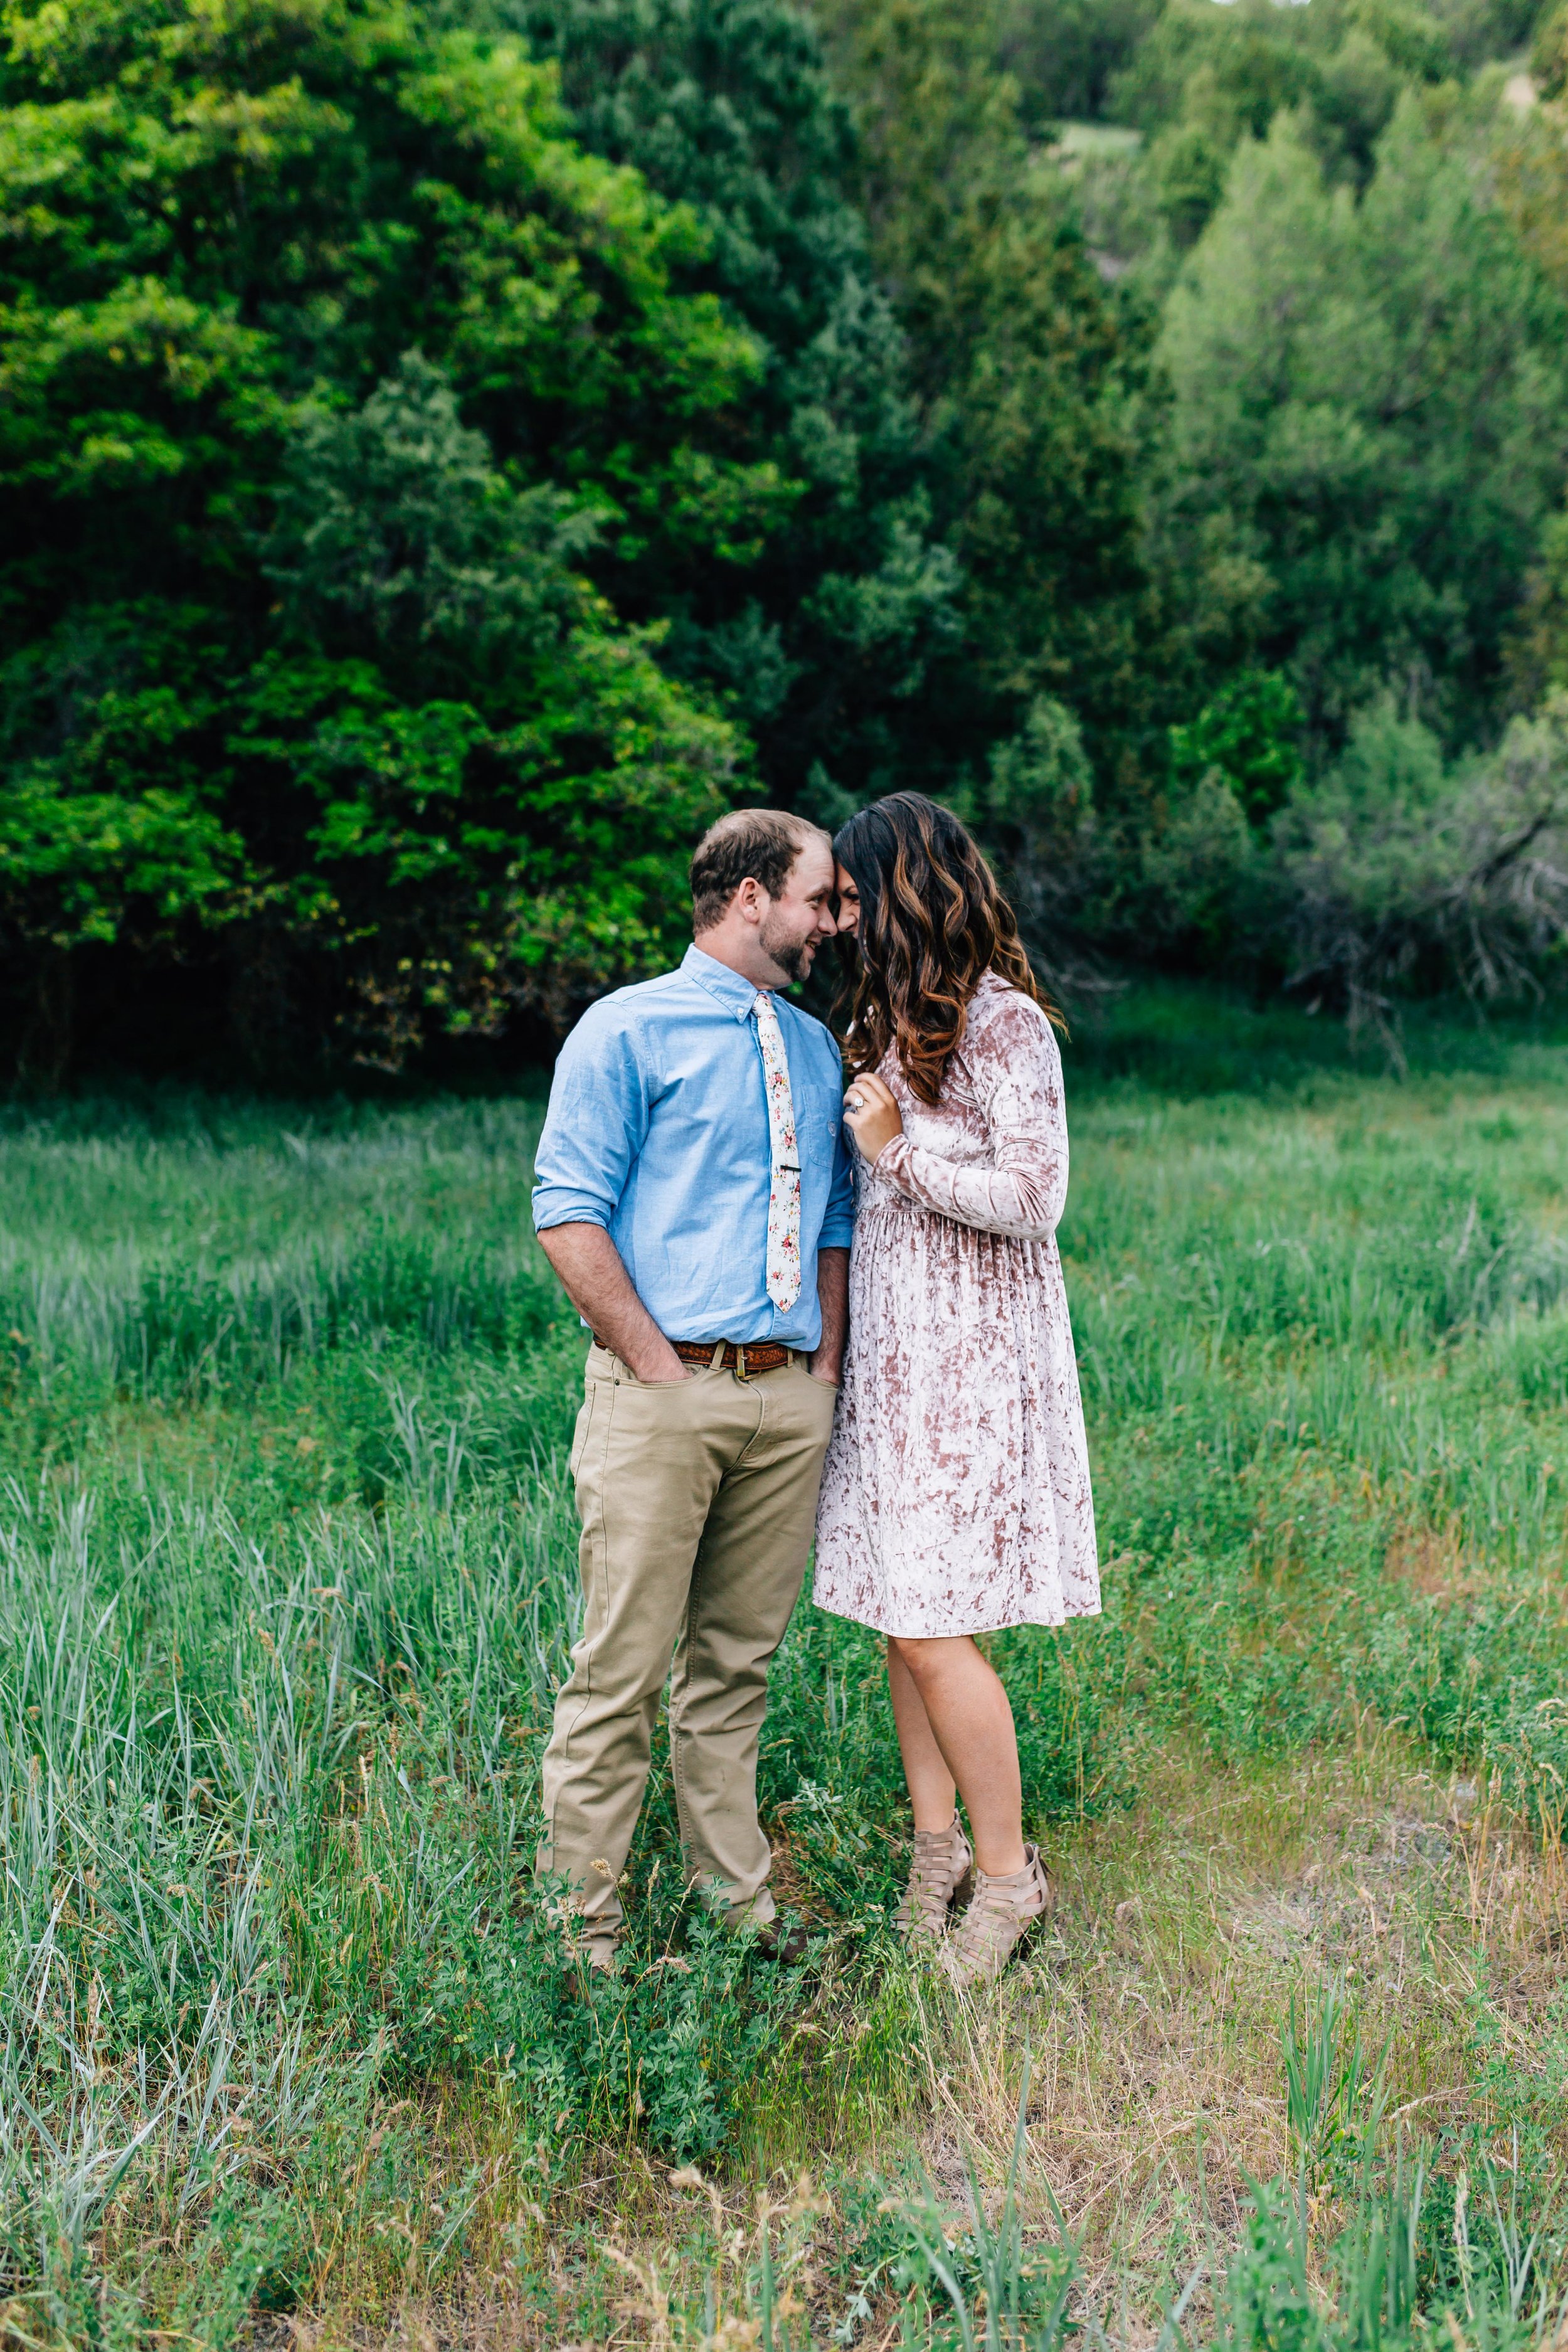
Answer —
733 991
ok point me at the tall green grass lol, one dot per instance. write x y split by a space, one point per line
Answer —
287 1579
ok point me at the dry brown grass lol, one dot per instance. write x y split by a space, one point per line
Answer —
1152 2016
1148 2020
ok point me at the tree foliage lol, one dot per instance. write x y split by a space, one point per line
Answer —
327 360
827 645
449 449
1371 404
1026 369
1392 864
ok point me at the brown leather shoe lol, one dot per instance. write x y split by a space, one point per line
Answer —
1002 1914
940 1874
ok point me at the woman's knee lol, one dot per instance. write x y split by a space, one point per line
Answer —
926 1655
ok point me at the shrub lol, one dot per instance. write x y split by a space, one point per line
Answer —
1394 866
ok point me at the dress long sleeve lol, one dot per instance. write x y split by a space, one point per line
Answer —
1011 1061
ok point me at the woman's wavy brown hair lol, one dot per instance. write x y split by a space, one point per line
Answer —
932 921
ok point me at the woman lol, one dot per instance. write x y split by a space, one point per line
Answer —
955 1498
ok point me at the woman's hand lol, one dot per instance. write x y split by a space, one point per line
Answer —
871 1113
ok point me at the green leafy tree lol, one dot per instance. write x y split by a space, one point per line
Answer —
825 643
1025 368
1526 158
1236 68
1064 55
1549 56
1369 402
393 529
1188 163
1251 732
1035 807
1481 30
1538 647
1205 77
1197 871
329 362
509 826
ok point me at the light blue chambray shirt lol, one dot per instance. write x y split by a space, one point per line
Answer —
657 1130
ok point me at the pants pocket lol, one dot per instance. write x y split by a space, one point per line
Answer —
583 1425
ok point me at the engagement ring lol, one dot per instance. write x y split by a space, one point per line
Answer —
854 1103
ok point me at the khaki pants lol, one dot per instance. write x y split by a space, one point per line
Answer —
698 1500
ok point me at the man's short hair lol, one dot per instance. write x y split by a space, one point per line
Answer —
749 844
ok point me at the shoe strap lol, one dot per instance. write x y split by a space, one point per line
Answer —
1001 1906
940 1860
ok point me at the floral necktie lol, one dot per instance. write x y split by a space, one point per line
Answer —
783 1194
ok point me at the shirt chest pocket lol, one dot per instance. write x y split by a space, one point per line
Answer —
817 1111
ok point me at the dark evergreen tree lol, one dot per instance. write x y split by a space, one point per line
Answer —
948 390
1025 363
824 638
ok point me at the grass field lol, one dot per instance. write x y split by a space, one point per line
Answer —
286 1578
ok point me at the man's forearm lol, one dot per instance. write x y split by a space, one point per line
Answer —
833 1296
596 1282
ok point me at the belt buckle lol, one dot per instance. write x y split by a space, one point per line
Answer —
740 1373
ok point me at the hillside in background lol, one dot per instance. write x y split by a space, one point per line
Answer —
449 452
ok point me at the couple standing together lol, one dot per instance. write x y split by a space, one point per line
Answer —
790 1335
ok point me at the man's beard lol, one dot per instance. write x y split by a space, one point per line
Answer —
793 956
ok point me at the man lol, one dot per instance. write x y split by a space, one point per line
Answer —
693 1193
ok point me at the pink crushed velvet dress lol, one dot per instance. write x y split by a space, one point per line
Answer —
956 1498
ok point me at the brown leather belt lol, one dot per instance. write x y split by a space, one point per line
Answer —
764 1356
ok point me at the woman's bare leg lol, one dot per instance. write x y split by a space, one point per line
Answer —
955 1726
931 1785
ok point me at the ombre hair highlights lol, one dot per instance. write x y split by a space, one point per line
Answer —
932 921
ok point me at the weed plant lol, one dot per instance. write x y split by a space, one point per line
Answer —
287 1579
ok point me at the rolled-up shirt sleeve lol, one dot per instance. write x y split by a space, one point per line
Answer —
838 1221
1016 1066
595 1124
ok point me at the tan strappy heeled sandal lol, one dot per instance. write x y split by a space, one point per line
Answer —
1001 1914
940 1874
